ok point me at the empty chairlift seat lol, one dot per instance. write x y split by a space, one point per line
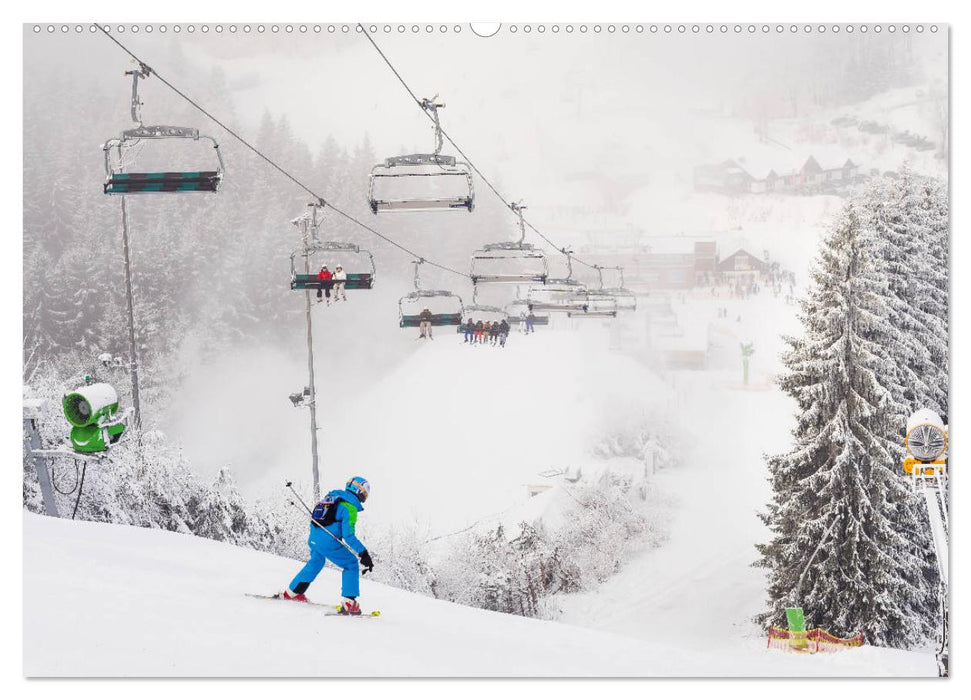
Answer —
561 295
118 151
509 262
624 299
597 305
422 181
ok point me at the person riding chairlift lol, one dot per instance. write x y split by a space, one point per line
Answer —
503 332
340 280
469 331
425 324
326 284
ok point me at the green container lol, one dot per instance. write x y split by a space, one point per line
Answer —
797 628
796 619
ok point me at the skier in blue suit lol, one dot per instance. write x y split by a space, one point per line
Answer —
332 526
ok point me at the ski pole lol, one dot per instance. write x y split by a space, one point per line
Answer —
319 524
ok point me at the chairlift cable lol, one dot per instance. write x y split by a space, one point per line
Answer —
272 163
456 146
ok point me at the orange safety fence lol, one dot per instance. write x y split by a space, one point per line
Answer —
813 641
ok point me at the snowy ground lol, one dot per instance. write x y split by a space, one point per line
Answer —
456 433
144 602
110 600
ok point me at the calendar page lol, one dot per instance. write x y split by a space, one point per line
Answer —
637 334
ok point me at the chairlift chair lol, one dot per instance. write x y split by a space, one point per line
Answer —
411 305
423 171
509 262
626 299
559 295
333 253
518 309
483 312
597 304
119 182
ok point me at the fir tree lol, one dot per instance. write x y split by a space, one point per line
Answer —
910 218
842 515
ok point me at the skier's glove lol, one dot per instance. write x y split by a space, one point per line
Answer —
366 561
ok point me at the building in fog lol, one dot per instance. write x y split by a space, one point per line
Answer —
765 171
661 262
742 264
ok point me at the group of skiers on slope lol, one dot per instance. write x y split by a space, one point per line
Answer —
478 332
332 536
335 281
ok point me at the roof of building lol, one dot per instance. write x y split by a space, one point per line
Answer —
765 159
727 263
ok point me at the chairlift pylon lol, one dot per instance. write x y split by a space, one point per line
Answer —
168 182
509 262
426 168
409 313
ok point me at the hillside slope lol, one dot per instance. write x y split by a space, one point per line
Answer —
465 429
108 600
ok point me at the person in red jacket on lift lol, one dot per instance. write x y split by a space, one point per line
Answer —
326 284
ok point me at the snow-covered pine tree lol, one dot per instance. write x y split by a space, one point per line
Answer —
910 218
841 516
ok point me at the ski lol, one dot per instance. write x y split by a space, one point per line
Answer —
332 610
278 596
336 613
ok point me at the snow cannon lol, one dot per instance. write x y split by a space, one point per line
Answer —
926 443
92 411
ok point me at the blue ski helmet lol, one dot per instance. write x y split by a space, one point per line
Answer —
360 487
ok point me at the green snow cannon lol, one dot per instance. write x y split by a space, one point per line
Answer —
91 412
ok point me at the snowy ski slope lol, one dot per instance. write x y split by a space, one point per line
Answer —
110 600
